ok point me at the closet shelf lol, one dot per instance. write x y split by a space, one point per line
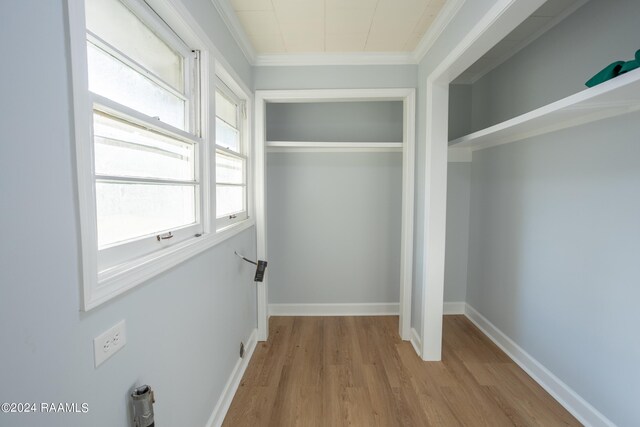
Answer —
332 146
615 97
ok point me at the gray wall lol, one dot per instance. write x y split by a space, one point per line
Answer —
183 327
554 232
457 244
380 121
553 256
460 103
335 77
333 221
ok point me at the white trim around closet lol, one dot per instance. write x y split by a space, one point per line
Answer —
500 20
408 97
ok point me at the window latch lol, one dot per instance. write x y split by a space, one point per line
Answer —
232 216
164 236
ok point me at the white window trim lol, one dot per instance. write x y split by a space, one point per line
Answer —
241 101
230 84
99 287
128 251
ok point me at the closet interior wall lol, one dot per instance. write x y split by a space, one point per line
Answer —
554 234
334 217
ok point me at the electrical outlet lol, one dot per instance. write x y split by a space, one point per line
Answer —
109 342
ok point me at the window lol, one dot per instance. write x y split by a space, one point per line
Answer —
146 144
231 158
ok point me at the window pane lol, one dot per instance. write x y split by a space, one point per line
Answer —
230 199
128 211
123 149
115 24
113 79
226 109
226 136
229 169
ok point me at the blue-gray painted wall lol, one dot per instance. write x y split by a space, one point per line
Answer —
457 241
460 110
554 230
553 255
375 121
184 326
333 226
333 219
335 77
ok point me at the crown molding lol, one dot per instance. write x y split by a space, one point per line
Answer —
328 58
228 15
446 15
449 10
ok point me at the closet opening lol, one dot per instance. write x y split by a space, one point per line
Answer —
334 203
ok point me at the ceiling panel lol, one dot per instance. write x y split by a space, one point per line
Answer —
383 41
302 11
267 43
348 21
428 16
345 42
392 15
351 4
313 26
252 4
303 42
412 42
259 22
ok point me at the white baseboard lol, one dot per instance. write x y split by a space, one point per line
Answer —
416 342
365 309
230 388
572 402
457 307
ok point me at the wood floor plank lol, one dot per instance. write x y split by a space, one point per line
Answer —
385 410
355 371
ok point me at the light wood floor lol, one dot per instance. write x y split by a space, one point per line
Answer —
339 371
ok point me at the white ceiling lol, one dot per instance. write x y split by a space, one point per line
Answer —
313 26
542 20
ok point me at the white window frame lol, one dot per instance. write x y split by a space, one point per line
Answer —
116 254
101 285
243 128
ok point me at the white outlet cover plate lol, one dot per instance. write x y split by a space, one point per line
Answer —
109 343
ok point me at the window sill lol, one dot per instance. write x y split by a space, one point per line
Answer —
121 278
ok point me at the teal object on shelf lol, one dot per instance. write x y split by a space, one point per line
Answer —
629 65
614 70
611 71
